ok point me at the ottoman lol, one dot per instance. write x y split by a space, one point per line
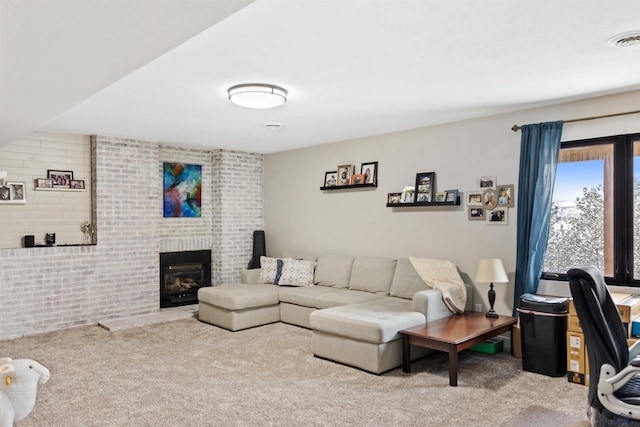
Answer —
364 335
239 306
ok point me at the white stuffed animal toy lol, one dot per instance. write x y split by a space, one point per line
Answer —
19 381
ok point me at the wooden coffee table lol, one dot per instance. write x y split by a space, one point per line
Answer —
453 334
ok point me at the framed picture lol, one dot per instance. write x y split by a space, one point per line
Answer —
489 198
77 184
452 196
13 192
61 179
408 194
370 172
424 186
498 216
487 182
394 197
476 213
182 188
344 174
357 179
474 198
330 179
505 195
44 183
441 197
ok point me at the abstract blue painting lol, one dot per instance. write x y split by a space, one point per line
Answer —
182 190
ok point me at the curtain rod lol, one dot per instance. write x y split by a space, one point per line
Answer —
516 128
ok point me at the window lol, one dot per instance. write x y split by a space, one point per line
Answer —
595 214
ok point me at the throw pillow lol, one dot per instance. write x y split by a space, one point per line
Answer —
297 272
268 270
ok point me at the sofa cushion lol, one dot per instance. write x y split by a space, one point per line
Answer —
268 270
406 280
239 296
299 255
334 270
304 296
372 274
376 321
343 297
295 272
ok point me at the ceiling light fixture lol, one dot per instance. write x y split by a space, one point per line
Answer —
626 39
257 95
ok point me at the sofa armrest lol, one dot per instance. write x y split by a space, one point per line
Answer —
250 277
430 303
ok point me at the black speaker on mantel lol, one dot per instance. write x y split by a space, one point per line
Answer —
259 249
29 241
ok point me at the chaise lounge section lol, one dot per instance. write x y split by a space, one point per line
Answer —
354 306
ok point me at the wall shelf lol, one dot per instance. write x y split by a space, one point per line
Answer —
423 204
351 186
58 189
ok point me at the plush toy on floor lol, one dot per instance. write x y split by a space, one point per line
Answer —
19 381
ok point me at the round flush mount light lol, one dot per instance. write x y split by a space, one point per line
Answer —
630 38
258 96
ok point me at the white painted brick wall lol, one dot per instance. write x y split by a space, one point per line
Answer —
58 211
47 289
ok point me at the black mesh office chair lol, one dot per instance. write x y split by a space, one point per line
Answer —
614 387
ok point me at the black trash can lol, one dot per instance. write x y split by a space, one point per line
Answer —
543 328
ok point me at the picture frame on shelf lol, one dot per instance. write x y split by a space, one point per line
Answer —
344 174
61 179
505 195
370 172
489 198
452 196
441 196
498 216
330 179
76 184
394 198
44 183
487 182
13 193
474 198
425 184
475 213
357 179
408 194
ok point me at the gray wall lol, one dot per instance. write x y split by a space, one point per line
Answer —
300 217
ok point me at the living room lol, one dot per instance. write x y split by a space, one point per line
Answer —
57 288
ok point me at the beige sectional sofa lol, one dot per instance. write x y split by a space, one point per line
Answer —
355 307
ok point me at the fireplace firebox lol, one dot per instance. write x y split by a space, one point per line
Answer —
181 275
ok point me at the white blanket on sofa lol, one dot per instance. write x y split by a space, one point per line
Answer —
443 275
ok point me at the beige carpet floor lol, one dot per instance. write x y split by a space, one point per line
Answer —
188 373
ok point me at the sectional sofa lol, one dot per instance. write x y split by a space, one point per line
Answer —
354 306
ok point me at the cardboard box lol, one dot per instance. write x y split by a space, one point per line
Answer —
629 309
578 378
516 343
576 352
491 346
574 324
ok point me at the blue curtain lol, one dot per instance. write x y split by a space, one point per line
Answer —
539 150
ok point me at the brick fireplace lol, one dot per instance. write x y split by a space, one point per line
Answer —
181 275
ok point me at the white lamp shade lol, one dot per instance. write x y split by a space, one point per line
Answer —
491 271
258 96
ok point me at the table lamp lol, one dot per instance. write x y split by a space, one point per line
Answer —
490 271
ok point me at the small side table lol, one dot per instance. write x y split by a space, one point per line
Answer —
453 334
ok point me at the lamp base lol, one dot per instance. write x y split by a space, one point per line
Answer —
491 313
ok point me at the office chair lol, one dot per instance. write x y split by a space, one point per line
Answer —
614 387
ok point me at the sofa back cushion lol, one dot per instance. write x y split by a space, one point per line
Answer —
333 270
406 280
372 274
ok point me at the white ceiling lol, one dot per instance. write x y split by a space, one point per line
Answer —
352 68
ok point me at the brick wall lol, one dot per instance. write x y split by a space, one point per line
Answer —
47 289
